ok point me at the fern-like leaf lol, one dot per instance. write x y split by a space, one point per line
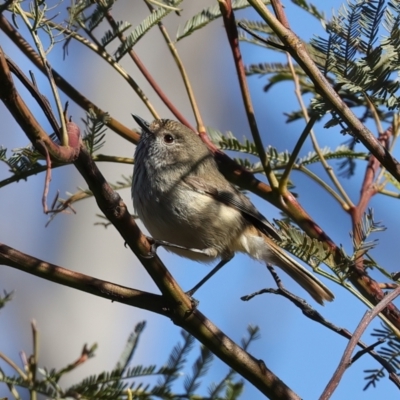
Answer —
215 389
176 361
310 8
365 228
6 298
253 332
234 390
371 17
94 131
98 14
271 68
361 66
340 152
199 369
302 246
257 26
110 35
153 19
390 353
130 347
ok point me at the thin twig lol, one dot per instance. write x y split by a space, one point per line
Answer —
34 91
283 183
146 73
390 193
367 350
345 361
96 47
12 364
42 168
182 70
260 38
47 178
322 183
33 359
346 202
280 14
49 74
369 187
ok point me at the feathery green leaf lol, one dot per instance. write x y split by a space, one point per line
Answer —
153 19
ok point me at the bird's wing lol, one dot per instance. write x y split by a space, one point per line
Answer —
233 198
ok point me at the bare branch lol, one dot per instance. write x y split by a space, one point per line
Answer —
345 361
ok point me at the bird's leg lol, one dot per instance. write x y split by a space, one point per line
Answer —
223 261
155 243
211 252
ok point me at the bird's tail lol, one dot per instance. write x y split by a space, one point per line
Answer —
317 290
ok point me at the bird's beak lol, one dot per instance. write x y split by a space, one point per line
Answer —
141 122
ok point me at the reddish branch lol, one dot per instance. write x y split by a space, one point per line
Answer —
233 39
345 362
369 287
280 13
147 74
368 189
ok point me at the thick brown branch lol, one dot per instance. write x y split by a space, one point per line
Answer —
85 283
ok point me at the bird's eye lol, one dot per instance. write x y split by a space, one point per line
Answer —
168 138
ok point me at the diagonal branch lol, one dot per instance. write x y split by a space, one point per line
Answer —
345 362
299 52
